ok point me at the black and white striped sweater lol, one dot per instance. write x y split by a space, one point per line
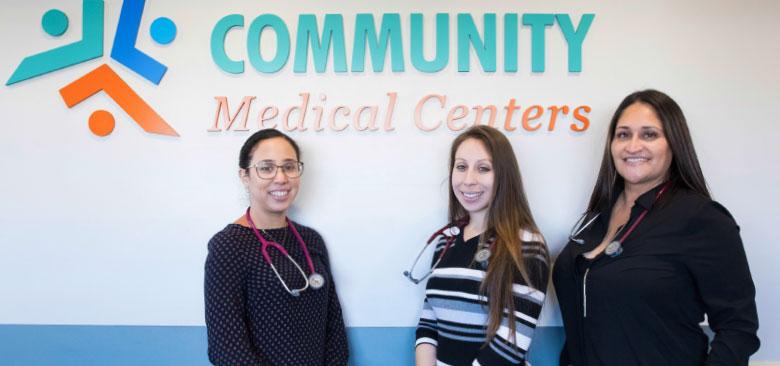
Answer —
454 316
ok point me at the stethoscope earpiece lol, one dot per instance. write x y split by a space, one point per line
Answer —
579 227
408 275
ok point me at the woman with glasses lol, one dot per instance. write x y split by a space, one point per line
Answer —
270 296
653 254
490 267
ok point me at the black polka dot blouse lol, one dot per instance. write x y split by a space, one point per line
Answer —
252 320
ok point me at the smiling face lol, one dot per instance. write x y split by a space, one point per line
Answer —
273 196
473 177
640 151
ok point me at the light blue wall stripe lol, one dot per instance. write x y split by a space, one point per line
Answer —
84 345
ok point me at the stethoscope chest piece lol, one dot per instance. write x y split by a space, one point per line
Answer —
614 249
482 255
316 281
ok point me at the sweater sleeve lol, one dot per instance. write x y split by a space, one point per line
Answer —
508 348
717 261
428 326
336 345
229 340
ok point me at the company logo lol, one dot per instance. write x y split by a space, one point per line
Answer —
104 78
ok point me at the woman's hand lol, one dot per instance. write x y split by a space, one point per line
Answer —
425 355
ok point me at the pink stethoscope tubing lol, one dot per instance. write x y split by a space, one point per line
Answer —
264 244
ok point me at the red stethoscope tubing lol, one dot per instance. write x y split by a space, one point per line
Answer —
265 243
449 238
450 232
643 214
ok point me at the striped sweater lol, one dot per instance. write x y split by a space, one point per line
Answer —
454 316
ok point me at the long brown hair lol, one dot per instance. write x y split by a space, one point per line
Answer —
685 170
508 214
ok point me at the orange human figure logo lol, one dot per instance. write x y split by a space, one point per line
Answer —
101 123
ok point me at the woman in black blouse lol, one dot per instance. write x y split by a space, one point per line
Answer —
653 254
264 307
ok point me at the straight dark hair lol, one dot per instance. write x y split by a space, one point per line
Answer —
685 171
245 155
508 214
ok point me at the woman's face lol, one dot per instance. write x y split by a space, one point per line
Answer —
473 176
271 195
640 151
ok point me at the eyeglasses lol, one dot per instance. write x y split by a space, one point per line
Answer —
268 170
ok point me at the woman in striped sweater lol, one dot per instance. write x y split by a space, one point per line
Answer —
480 312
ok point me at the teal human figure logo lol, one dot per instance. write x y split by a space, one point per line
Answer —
55 23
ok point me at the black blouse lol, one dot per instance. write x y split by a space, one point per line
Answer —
252 320
644 306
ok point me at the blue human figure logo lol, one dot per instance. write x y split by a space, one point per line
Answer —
162 30
55 23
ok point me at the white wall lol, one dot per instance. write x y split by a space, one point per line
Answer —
114 230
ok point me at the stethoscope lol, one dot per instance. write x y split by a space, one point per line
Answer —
614 248
315 280
450 233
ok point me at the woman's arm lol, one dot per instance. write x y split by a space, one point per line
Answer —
337 349
427 336
717 261
229 340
